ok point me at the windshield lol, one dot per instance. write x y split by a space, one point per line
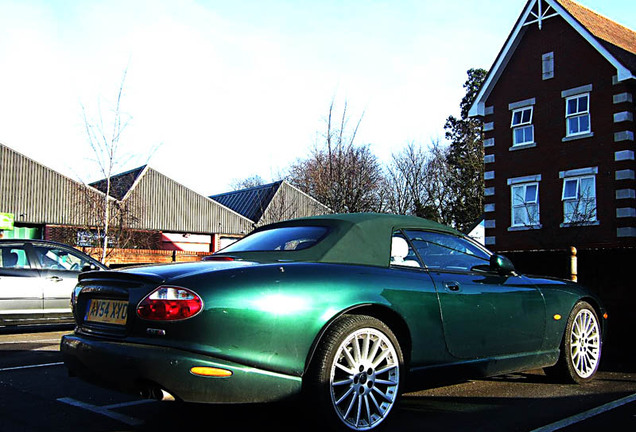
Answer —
279 239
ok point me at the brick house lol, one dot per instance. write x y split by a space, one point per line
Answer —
560 169
558 115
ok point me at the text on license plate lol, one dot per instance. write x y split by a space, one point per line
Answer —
107 311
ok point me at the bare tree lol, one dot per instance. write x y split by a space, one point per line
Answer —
104 139
417 182
397 196
342 175
246 183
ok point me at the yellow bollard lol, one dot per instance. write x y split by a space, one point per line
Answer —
573 264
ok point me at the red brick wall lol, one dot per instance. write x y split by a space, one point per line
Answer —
127 257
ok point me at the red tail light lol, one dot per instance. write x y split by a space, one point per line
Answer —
168 303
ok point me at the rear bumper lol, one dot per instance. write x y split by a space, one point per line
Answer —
146 370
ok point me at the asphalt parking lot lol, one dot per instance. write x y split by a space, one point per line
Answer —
36 394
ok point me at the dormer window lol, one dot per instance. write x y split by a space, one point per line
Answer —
522 127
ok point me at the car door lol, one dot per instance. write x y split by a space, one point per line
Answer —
59 267
20 286
484 313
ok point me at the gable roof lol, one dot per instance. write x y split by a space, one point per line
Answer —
120 184
250 202
37 194
613 41
161 203
601 27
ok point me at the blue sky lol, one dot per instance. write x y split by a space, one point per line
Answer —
229 89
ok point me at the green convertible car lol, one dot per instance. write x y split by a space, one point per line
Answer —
347 311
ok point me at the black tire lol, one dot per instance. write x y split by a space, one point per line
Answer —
358 364
581 347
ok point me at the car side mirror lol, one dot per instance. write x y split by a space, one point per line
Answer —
501 265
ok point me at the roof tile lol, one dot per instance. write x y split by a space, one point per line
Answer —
602 27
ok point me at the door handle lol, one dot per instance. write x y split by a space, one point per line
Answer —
55 279
452 286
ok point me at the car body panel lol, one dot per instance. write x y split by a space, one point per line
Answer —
490 315
560 297
129 366
25 296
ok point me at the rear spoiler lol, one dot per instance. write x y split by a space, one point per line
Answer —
116 276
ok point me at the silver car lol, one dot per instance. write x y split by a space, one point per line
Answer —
37 278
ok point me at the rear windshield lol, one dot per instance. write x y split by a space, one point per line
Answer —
279 239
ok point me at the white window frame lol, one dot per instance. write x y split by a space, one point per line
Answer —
519 125
530 206
577 115
579 207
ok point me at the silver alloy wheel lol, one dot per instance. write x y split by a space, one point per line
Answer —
364 379
585 343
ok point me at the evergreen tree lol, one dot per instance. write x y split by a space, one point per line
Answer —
466 158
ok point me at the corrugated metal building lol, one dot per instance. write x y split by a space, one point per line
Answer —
164 205
47 204
41 198
38 195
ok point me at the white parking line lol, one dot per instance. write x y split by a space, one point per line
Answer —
106 410
586 415
31 366
34 341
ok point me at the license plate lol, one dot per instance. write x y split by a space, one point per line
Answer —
107 311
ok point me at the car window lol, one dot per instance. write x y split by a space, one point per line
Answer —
12 256
59 259
447 252
402 254
279 239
